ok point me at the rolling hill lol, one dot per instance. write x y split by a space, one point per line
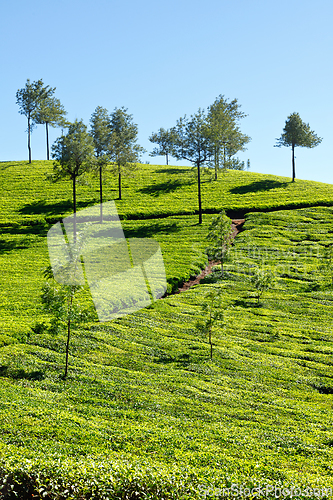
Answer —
145 412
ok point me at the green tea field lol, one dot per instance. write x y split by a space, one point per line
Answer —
145 413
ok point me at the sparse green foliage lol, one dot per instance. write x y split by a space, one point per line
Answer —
50 111
262 280
125 150
29 98
297 133
192 142
74 155
164 139
56 300
212 307
226 137
234 164
101 134
220 235
59 299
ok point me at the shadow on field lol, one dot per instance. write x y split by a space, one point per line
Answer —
323 389
11 164
41 207
246 303
171 170
254 187
8 246
32 227
20 373
181 359
164 187
148 231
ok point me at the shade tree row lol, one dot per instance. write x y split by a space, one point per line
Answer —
209 137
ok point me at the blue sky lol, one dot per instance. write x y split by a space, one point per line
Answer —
162 60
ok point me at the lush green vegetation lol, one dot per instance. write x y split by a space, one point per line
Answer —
144 408
154 191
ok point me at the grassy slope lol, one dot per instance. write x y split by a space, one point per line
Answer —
30 204
142 391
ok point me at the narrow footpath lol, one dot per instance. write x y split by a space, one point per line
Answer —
236 227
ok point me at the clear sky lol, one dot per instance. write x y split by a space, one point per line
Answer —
162 60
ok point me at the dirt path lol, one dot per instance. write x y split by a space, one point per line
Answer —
236 227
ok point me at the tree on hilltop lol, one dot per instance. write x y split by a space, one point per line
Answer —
226 137
164 139
50 111
28 99
192 142
125 151
100 131
74 155
297 133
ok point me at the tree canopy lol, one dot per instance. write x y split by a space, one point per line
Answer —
100 131
297 133
125 150
220 236
50 111
212 308
164 139
74 155
29 98
192 142
226 137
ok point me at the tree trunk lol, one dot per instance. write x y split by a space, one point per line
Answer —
167 159
293 161
74 208
47 141
119 184
101 193
210 342
222 271
29 132
68 333
216 163
199 195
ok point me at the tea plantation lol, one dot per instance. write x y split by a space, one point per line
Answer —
145 413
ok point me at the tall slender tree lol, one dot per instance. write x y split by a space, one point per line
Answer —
220 236
221 125
212 307
297 133
50 111
100 131
59 299
125 151
163 138
74 155
226 137
192 142
28 99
